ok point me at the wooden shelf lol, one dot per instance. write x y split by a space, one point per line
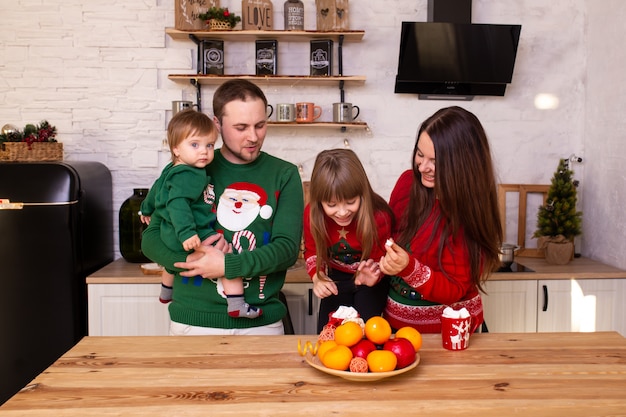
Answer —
251 35
324 125
207 79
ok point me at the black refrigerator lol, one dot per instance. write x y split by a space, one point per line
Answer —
56 228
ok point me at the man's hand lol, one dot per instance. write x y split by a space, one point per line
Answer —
206 261
219 242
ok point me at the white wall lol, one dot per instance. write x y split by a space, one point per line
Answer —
605 133
98 71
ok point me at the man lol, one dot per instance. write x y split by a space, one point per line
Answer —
259 211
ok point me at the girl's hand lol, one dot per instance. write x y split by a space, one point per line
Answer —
368 273
144 219
395 260
324 287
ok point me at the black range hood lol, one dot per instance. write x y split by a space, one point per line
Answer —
450 58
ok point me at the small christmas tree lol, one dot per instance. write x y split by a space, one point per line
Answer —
559 216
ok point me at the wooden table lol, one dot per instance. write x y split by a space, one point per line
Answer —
546 374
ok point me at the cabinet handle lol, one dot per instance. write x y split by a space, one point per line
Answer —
545 298
310 301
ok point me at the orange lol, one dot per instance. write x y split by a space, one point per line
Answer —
412 335
381 361
337 357
324 347
377 330
348 334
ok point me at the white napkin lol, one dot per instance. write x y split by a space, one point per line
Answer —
451 313
344 312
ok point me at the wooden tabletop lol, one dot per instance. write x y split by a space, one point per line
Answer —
529 374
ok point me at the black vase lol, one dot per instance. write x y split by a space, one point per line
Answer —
131 227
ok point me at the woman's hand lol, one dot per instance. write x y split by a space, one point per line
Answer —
395 260
368 273
324 287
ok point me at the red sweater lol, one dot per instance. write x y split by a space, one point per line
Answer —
343 244
425 274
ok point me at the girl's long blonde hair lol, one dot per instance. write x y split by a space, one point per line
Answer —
338 175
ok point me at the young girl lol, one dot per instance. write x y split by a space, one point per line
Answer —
346 225
182 198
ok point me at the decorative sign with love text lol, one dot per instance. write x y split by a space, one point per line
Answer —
257 15
186 13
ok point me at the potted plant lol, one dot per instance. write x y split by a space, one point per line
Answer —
34 143
558 221
219 18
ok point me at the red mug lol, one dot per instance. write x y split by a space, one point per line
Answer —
307 112
455 333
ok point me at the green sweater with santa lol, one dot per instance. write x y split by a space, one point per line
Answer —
259 209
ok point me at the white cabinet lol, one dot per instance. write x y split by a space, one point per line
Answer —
563 305
127 310
581 305
510 306
303 307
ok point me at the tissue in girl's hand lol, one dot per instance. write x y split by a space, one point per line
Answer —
451 313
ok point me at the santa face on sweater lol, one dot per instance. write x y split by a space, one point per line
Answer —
240 204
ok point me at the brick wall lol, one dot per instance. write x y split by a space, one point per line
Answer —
98 71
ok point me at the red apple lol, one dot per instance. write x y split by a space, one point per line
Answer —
403 349
362 348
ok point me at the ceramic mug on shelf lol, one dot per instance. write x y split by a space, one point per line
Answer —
180 105
285 112
307 112
269 110
344 112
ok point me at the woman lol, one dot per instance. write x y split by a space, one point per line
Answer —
449 234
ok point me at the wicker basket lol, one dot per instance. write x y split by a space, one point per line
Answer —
37 151
215 24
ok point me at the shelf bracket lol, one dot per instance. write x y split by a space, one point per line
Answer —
195 81
342 95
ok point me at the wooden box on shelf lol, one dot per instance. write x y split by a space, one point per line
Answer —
186 13
332 15
37 151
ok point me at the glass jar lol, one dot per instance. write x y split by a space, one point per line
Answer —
131 227
294 15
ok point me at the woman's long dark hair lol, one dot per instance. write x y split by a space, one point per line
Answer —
465 187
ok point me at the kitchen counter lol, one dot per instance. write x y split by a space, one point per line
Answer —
526 374
121 271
